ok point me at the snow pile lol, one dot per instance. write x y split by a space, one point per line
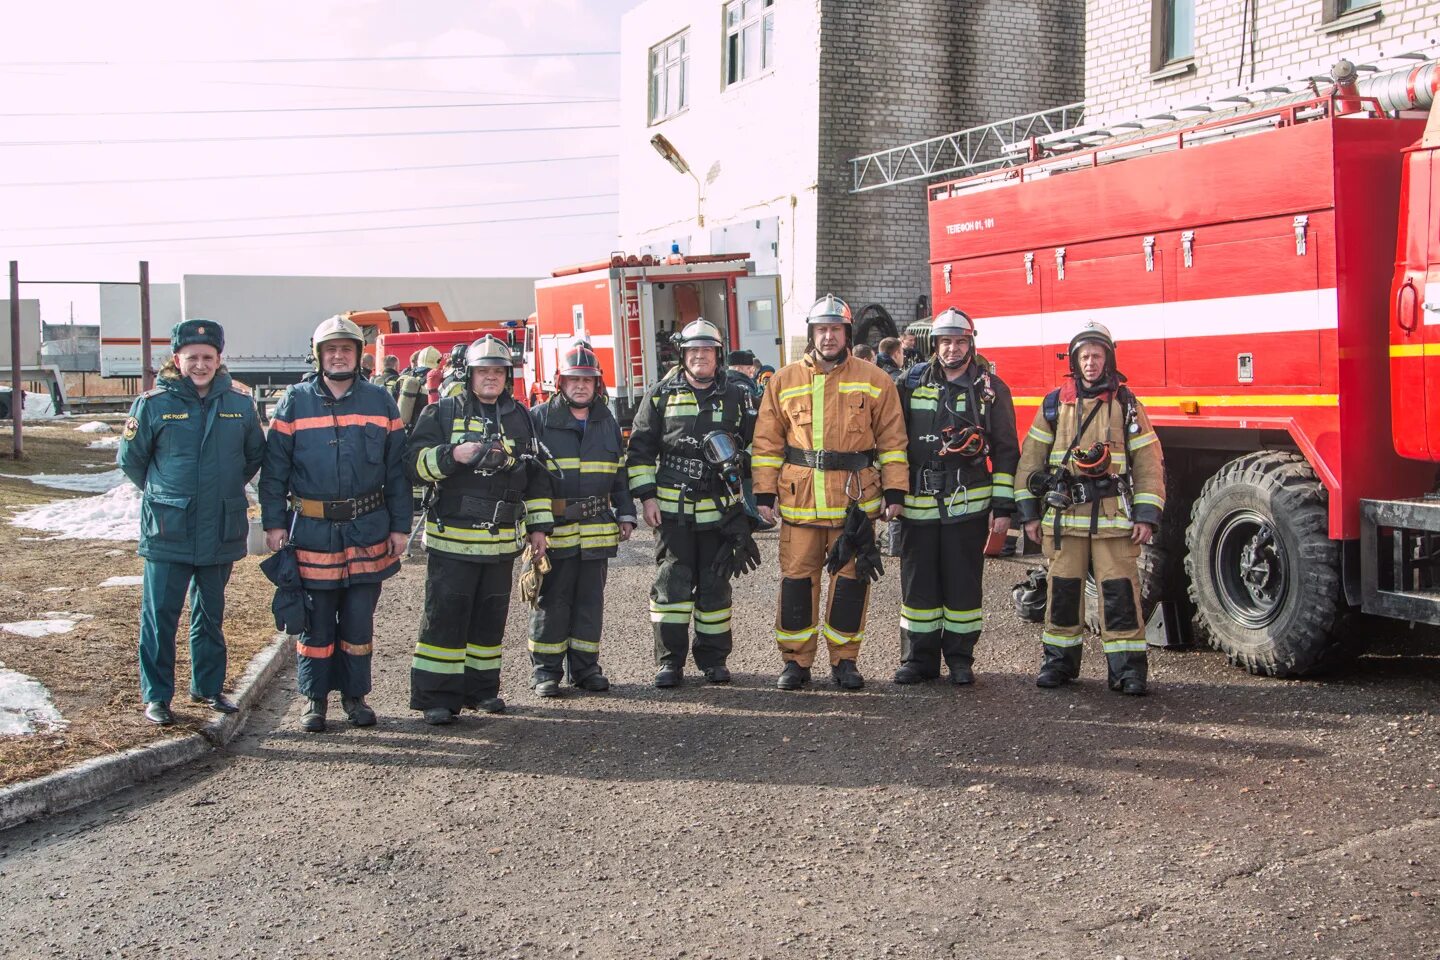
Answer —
112 516
25 705
94 426
75 482
35 629
121 582
38 406
104 443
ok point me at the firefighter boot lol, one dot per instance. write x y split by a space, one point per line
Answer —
595 682
793 677
313 719
847 676
491 705
439 716
960 658
911 672
670 675
1128 672
547 688
1060 666
717 674
358 711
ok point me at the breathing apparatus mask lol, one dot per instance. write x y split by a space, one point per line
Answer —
1052 487
967 440
494 457
1094 461
724 456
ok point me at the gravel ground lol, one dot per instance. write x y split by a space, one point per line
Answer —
1223 816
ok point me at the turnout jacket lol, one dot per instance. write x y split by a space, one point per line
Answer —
191 459
474 516
953 488
672 422
854 408
323 447
591 453
1134 450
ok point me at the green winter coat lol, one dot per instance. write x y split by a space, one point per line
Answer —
191 459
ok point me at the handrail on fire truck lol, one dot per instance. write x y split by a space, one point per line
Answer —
1394 82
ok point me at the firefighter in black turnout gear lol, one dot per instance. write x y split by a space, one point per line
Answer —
455 380
699 513
593 512
962 455
491 491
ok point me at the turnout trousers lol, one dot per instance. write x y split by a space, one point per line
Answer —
942 569
802 561
334 653
1112 561
565 627
687 588
457 658
165 585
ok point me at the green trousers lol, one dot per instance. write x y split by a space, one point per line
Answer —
163 597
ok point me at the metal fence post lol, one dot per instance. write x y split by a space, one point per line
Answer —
17 403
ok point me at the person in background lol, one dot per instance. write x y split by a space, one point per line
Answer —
367 367
863 351
742 367
909 353
386 378
888 357
190 445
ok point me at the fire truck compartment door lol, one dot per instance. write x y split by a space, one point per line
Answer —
1414 329
757 307
1118 291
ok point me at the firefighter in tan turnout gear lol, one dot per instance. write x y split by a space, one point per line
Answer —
830 450
1090 488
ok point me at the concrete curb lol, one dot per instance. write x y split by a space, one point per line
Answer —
102 776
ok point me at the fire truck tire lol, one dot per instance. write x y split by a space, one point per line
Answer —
1264 573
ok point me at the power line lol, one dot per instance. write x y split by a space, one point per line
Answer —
305 216
285 60
303 136
345 86
311 233
305 173
327 109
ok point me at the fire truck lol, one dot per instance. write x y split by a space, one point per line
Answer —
1271 269
426 325
628 307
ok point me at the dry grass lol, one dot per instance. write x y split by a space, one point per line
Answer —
93 672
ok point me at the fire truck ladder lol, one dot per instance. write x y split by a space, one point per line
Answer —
1402 82
634 335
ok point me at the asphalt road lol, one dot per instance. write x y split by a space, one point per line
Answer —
1222 816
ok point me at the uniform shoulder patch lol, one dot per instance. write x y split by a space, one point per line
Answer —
153 392
240 388
132 425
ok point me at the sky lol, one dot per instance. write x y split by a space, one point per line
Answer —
155 130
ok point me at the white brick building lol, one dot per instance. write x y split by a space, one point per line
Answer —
767 100
1144 56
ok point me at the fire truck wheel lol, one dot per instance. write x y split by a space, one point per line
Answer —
1264 573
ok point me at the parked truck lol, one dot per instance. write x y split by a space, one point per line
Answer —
1272 274
628 307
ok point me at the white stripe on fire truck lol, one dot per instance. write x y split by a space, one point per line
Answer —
1289 312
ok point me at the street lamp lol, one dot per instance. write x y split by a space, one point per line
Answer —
672 156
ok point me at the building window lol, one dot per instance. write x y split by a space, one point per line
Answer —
1352 9
749 39
669 77
1172 32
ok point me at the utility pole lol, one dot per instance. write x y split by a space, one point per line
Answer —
147 375
17 403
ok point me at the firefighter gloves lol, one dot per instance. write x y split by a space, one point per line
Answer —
738 553
856 542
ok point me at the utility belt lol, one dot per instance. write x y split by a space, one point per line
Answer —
936 478
340 511
491 511
692 468
847 461
583 508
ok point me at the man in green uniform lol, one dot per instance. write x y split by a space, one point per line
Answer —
190 445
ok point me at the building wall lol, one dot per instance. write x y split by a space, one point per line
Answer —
1288 37
752 146
909 70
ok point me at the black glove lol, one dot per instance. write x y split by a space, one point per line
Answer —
868 565
857 542
738 553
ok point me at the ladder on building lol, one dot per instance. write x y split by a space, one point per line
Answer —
634 335
1022 139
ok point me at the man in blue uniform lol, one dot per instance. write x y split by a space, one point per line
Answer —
334 487
190 445
593 512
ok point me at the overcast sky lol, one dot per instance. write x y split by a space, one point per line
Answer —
89 72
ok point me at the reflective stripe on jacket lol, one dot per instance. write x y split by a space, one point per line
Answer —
591 454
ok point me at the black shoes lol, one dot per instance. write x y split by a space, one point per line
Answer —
1052 676
491 705
439 716
670 675
547 688
793 677
158 713
847 675
595 683
720 674
1132 686
911 673
358 711
313 719
962 674
219 703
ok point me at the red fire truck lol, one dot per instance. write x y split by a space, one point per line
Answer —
628 307
1272 274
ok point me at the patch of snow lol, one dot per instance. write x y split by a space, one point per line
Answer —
25 705
38 406
38 628
95 426
104 443
112 516
77 617
76 482
50 589
121 582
